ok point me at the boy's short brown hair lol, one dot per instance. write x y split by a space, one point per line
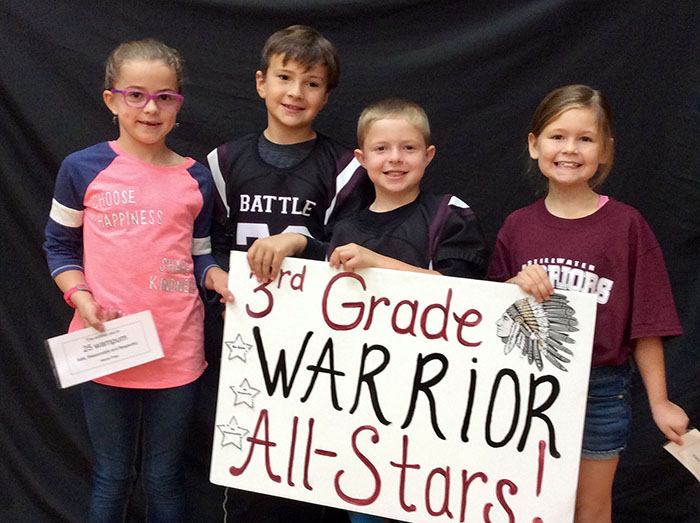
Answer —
305 45
393 108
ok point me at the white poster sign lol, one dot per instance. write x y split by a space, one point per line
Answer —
412 396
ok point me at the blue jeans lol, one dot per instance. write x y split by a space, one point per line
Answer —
358 517
608 413
117 419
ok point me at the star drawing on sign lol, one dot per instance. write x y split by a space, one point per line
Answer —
238 348
232 433
244 393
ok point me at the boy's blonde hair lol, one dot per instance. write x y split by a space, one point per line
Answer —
571 97
393 108
148 49
305 45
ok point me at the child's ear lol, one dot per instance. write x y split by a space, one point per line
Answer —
607 153
325 99
108 97
429 154
360 156
260 84
532 146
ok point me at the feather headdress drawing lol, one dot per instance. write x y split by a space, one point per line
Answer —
539 330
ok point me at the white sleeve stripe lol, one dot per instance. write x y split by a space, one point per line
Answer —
213 159
201 246
458 203
63 268
65 215
340 182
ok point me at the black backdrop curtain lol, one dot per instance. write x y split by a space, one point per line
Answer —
478 68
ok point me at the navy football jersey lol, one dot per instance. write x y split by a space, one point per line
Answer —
435 231
256 199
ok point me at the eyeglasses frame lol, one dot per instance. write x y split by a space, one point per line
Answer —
149 97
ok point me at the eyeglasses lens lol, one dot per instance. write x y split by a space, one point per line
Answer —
164 100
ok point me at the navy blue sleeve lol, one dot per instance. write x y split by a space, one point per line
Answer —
64 232
201 239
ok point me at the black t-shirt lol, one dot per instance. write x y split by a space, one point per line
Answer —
434 231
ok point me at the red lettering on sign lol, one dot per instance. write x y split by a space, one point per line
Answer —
373 470
262 419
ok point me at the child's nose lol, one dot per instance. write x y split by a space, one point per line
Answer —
151 105
395 155
294 89
570 145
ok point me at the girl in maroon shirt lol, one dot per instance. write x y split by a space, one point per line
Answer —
576 239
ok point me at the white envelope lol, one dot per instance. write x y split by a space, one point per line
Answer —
87 354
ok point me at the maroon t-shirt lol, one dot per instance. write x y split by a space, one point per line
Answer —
612 253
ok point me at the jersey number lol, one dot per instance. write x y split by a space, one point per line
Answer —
253 231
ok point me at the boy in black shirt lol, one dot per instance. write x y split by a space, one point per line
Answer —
402 228
287 178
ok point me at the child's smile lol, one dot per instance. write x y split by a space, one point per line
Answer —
150 124
570 148
395 155
293 94
293 108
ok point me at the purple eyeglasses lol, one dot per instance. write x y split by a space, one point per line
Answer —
138 99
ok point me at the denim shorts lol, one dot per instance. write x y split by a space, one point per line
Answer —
608 413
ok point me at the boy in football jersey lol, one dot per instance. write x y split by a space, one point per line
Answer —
287 178
403 228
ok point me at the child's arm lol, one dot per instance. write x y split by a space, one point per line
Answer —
90 311
352 256
220 244
461 249
669 417
534 280
266 254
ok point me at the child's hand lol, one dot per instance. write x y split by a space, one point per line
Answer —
265 256
534 280
671 420
217 280
91 313
352 256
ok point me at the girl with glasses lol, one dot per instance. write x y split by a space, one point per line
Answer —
128 231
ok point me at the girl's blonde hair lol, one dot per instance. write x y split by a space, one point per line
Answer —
571 97
148 49
393 108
